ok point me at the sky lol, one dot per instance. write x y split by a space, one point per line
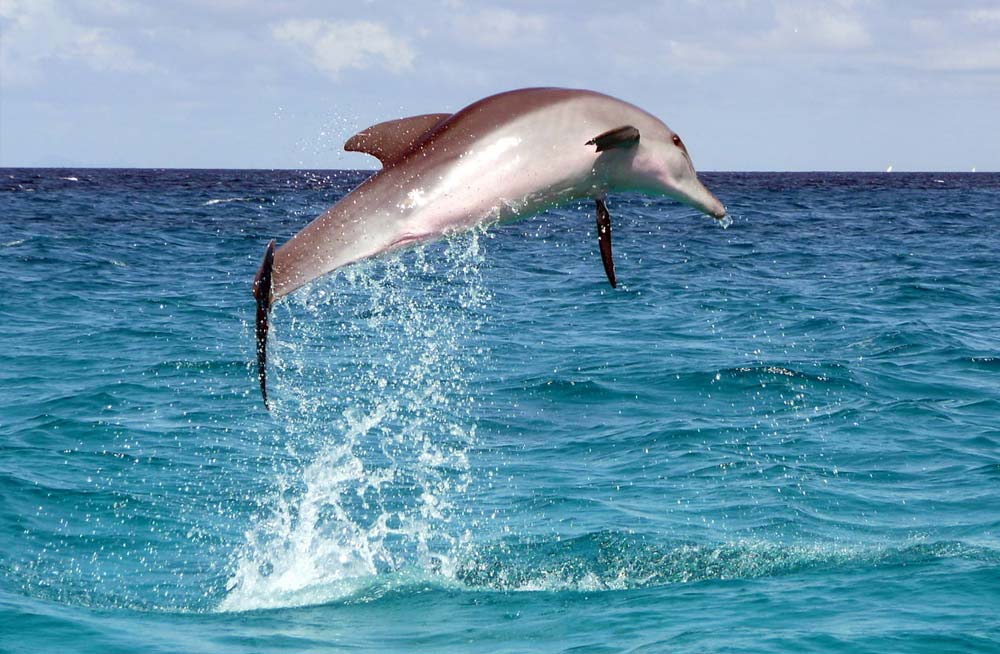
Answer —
748 84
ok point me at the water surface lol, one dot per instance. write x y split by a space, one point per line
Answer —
782 436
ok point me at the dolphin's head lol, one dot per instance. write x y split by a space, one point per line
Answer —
660 165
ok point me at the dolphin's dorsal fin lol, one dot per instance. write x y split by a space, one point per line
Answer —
620 137
604 239
390 140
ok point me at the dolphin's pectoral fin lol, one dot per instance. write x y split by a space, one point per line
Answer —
604 239
262 292
390 140
620 137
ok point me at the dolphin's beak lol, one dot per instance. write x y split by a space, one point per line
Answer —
695 194
719 210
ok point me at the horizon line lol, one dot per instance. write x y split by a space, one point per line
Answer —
374 170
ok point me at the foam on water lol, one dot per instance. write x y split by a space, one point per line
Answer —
607 561
256 200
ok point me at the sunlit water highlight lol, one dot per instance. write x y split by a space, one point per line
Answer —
781 436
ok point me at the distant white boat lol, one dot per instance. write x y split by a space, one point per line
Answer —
889 169
973 169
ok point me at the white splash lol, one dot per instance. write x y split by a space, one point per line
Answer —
215 201
370 390
415 199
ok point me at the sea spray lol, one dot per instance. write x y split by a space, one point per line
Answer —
372 395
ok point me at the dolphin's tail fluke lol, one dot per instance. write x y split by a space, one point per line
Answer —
262 291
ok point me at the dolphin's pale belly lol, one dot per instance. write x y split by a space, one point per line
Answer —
504 177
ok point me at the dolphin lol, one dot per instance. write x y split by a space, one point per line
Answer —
506 156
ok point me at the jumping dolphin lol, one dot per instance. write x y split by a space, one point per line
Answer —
506 156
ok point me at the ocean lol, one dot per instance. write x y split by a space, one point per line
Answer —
782 436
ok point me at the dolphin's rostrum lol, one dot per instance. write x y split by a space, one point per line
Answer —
507 156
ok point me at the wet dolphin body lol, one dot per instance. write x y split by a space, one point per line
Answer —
506 156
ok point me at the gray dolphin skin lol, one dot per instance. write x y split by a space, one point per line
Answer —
507 156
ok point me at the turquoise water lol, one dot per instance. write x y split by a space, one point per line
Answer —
778 437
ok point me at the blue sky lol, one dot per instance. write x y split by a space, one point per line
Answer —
750 85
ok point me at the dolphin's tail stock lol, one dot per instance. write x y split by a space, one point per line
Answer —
262 292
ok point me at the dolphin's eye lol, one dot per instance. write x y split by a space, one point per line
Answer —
677 141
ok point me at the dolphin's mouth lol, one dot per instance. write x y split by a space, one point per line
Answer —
708 204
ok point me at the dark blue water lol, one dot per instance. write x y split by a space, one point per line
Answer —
783 436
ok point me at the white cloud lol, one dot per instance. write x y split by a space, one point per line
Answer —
697 57
983 17
924 27
972 58
108 7
35 32
817 27
100 51
954 42
499 27
334 46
